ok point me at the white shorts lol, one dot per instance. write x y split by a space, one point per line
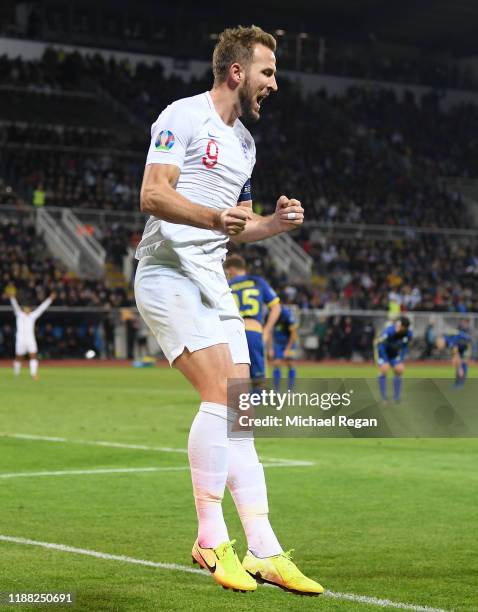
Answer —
179 317
25 345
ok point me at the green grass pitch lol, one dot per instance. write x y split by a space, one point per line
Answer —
389 519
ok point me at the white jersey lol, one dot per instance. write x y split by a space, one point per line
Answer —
26 320
215 162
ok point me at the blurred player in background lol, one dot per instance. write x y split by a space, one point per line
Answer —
459 342
253 295
197 191
25 341
391 348
284 347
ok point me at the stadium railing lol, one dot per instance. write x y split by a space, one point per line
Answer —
58 241
93 254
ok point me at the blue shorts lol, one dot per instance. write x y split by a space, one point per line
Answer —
383 357
279 350
256 354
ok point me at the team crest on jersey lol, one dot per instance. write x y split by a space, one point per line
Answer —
245 150
164 141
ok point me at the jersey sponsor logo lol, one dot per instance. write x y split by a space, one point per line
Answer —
164 141
212 152
245 150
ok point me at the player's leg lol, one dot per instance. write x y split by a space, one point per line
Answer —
459 371
207 370
255 345
265 558
17 364
33 356
191 336
398 370
292 372
383 367
209 457
20 352
247 485
278 352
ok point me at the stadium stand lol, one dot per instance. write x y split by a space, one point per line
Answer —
363 157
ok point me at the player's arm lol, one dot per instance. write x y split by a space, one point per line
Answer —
382 337
262 227
160 199
15 305
292 339
41 309
274 314
406 346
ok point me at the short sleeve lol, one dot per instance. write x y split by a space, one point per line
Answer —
170 136
270 296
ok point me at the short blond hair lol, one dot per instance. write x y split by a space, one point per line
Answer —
237 45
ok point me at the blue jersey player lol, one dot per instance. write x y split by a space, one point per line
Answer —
284 347
253 297
391 348
459 342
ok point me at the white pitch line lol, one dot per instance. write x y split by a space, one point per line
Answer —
165 468
383 603
273 461
158 449
374 601
95 471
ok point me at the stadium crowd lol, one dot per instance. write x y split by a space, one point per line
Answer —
373 60
362 157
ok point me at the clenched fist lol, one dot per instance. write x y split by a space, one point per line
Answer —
232 221
289 213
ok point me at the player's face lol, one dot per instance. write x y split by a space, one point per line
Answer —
400 329
259 82
440 343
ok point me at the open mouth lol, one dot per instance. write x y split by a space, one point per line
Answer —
259 99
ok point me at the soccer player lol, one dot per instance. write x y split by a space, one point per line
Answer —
391 348
197 191
252 294
25 341
284 347
459 342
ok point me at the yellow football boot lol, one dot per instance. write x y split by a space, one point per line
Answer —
281 571
224 565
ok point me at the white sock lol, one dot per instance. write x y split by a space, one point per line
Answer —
208 457
33 367
17 366
246 482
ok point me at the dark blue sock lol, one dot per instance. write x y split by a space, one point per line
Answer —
382 385
277 375
464 365
397 387
291 379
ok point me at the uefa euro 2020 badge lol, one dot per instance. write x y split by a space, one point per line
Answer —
164 141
